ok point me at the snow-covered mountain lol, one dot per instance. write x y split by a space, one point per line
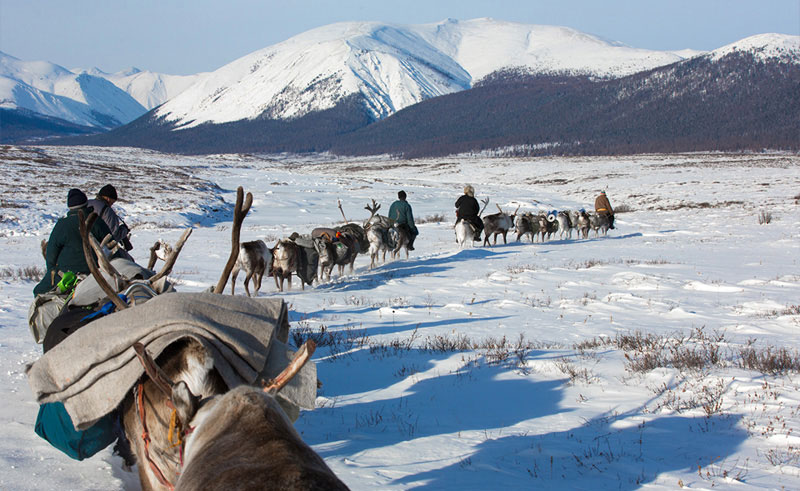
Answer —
150 89
394 66
764 47
52 90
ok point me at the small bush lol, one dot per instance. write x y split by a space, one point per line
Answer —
32 273
769 360
764 217
435 218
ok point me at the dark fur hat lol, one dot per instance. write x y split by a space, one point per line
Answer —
108 191
75 198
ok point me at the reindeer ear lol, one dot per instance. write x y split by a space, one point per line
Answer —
185 402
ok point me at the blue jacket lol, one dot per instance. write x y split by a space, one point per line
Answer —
401 213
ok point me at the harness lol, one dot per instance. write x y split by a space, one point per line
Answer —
174 424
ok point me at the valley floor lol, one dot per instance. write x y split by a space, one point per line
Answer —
660 356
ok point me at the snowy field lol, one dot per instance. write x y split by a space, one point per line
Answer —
664 355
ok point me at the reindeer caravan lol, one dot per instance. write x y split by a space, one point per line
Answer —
201 387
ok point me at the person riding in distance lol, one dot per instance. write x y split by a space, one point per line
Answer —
467 208
603 207
401 213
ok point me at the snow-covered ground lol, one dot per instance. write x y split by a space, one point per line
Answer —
601 363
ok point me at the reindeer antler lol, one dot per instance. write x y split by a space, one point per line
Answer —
153 256
485 203
169 263
298 361
341 210
239 212
89 242
372 211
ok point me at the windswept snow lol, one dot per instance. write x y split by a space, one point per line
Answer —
548 399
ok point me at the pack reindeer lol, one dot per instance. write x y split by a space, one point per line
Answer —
498 224
582 224
341 246
226 439
565 224
285 261
527 224
255 259
599 223
465 231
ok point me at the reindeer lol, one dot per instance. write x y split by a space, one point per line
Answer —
341 252
565 224
527 224
377 228
383 235
285 261
582 224
599 223
254 258
465 231
498 224
239 439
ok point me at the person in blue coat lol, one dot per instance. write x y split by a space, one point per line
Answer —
401 213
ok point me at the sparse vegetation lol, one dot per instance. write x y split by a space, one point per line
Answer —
435 218
29 273
764 217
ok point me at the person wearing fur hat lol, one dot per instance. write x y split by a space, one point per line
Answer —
64 250
106 197
467 208
603 207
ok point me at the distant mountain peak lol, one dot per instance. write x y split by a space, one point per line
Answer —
392 66
764 46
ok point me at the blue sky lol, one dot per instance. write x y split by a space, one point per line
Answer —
190 36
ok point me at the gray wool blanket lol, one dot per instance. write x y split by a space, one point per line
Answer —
92 370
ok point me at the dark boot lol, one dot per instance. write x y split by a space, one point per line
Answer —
411 244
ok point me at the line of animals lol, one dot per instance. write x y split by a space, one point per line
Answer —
313 256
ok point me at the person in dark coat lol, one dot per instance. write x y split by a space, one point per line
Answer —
401 213
603 207
102 204
467 208
65 247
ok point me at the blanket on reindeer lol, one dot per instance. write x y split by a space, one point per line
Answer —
93 369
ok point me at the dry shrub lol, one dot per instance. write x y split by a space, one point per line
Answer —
32 273
435 218
769 360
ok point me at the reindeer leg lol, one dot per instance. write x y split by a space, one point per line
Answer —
247 282
257 280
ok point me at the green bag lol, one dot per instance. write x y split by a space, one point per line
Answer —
54 425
